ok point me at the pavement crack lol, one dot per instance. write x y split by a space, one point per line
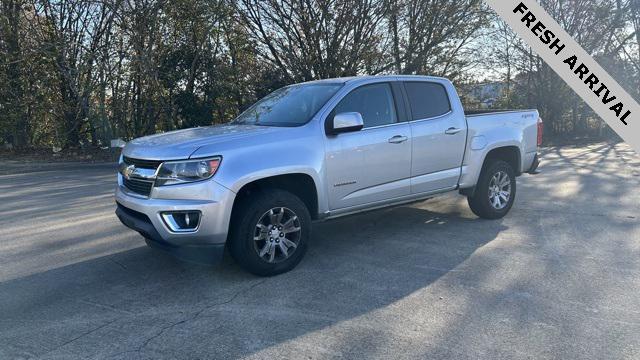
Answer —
89 332
117 263
197 314
108 307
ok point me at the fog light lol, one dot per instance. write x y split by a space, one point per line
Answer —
182 221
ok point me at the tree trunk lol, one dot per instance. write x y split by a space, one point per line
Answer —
15 99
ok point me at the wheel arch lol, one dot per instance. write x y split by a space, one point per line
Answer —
300 184
508 153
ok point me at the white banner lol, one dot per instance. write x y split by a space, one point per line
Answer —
572 63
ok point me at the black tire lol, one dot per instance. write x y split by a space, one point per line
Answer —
480 202
252 209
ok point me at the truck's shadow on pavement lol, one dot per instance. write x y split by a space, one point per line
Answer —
143 302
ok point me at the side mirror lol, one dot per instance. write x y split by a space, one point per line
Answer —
347 122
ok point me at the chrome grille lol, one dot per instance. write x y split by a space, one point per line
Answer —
139 163
138 186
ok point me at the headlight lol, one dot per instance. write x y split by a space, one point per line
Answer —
179 172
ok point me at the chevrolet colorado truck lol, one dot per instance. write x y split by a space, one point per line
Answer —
316 151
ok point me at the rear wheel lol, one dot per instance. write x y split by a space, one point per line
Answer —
495 191
270 232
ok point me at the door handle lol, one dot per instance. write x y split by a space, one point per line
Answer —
398 139
452 131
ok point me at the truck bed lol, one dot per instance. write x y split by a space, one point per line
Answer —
498 128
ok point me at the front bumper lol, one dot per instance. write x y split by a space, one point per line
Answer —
143 215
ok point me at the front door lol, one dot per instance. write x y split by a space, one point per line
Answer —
372 164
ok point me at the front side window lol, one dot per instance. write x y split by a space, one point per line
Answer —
374 102
289 106
427 99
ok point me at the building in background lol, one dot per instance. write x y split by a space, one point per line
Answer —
484 95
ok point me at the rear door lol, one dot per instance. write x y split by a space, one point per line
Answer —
439 135
372 164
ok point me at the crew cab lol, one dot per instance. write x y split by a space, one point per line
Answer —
316 151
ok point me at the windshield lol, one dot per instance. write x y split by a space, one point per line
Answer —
289 106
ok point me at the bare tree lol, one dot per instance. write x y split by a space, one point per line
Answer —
12 95
430 37
595 25
70 34
77 72
313 39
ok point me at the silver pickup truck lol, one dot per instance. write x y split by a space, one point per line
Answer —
316 151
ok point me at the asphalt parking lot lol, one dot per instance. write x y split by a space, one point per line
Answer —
559 277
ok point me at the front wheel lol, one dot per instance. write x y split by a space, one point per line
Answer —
270 232
495 191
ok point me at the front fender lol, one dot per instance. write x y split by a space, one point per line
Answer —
291 151
277 171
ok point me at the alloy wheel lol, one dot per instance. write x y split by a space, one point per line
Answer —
277 235
499 190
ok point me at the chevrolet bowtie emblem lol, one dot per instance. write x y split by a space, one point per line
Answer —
128 171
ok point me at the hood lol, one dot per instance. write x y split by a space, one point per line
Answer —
181 144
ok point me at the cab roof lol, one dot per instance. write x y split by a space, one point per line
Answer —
350 79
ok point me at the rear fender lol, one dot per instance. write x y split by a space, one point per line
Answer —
475 159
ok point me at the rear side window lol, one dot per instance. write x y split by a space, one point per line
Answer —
427 99
374 102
